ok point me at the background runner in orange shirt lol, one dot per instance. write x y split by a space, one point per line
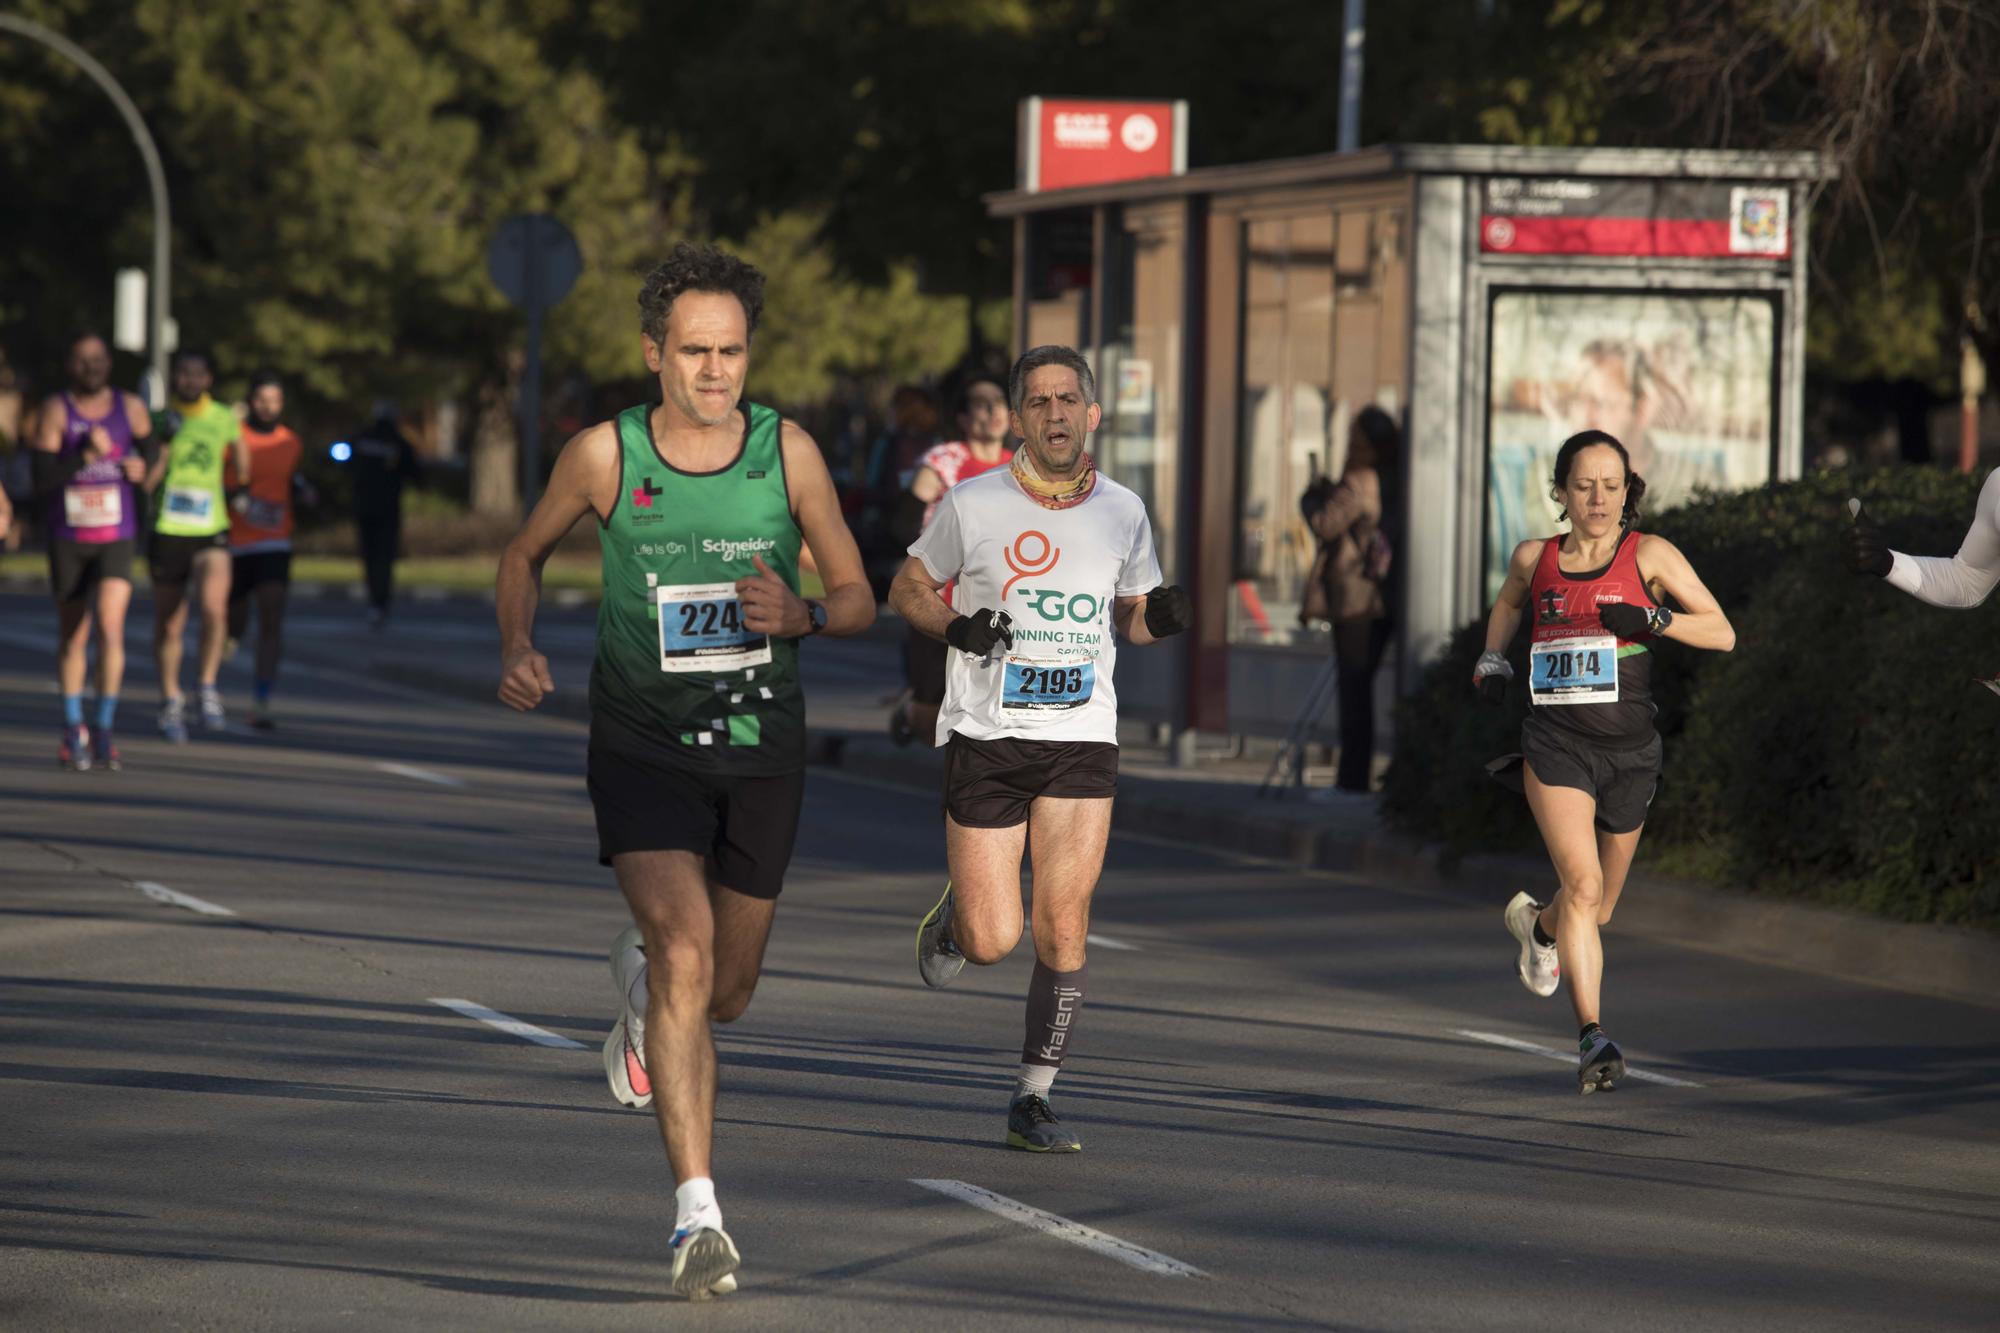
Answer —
260 535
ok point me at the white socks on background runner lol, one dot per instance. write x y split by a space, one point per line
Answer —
695 1205
1035 1081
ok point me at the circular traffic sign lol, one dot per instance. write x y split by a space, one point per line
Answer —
533 259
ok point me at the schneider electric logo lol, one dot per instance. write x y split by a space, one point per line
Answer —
728 548
731 550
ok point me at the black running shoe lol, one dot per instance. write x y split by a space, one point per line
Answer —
1599 1064
938 959
1033 1127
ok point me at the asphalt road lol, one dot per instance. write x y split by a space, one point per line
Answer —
266 1120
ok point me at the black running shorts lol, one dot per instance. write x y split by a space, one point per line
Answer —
76 568
172 558
1623 780
254 567
990 784
744 826
923 663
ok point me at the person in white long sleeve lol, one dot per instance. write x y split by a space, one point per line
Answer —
1963 580
1960 581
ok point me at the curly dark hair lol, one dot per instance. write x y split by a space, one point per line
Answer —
698 268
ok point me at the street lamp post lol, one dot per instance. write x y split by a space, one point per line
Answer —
156 297
1353 37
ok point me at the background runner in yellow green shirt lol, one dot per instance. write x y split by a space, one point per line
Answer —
190 536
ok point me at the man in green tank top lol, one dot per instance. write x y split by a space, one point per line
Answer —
190 538
697 731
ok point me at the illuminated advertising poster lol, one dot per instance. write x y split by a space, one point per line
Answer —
1684 381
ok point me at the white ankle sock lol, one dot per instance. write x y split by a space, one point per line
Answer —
1034 1081
694 1203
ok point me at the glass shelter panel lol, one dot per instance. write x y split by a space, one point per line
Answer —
1323 329
1139 367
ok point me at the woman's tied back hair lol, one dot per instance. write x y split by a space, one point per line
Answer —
698 268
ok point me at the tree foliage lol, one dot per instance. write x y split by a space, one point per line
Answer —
337 169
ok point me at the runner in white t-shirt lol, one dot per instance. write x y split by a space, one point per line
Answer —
1050 558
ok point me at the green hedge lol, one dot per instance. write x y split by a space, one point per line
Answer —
1842 753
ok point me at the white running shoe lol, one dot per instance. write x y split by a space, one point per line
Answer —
213 717
625 1048
1538 968
705 1263
625 1068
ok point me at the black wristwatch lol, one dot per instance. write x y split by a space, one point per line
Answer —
815 612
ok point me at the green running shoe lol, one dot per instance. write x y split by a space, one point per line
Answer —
938 959
1599 1064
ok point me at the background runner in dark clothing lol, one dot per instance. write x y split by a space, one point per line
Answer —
382 462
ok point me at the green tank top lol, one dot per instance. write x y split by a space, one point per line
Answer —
191 502
678 679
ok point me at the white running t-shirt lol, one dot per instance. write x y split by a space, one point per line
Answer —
1057 572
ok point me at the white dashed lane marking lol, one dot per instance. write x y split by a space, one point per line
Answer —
1076 1233
416 774
1568 1057
160 893
513 1027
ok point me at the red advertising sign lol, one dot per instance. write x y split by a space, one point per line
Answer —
1680 219
1066 143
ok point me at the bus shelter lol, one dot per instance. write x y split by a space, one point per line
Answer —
1493 300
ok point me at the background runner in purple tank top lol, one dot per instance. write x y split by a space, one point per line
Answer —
90 449
99 489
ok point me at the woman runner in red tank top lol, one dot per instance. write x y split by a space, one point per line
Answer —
1590 759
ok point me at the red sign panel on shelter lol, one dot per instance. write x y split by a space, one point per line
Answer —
1066 143
1637 217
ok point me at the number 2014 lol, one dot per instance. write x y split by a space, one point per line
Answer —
1562 666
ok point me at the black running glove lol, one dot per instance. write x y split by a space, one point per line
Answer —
978 632
1168 611
1866 552
1629 621
1491 674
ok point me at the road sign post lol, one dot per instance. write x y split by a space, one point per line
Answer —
534 261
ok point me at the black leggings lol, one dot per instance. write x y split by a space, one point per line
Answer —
380 535
1358 646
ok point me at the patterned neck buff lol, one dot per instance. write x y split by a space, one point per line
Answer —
1054 494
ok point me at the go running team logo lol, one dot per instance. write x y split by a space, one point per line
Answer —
1031 557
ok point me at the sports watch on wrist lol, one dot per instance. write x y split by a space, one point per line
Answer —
815 612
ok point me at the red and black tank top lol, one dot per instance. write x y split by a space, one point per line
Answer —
1568 687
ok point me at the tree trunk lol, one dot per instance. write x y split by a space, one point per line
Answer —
495 460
